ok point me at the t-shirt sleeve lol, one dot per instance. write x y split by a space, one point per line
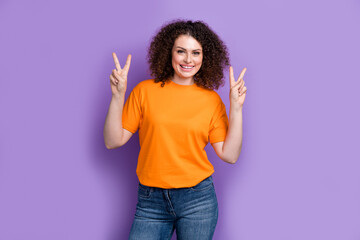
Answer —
131 114
219 124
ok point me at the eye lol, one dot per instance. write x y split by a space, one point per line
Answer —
196 53
180 51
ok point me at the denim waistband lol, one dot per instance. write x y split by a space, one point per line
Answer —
154 188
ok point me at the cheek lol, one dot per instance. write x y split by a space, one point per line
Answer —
176 58
174 62
199 63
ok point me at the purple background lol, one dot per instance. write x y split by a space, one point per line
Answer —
297 176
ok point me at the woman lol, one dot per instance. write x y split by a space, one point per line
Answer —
177 113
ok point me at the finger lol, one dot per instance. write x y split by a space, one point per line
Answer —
127 64
117 64
231 76
114 81
236 85
116 74
241 76
242 83
243 91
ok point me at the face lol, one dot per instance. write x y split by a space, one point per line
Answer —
187 57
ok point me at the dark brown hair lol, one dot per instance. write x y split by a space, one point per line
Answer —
215 53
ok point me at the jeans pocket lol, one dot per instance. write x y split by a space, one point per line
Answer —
207 183
144 191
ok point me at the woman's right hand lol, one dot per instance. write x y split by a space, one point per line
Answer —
118 77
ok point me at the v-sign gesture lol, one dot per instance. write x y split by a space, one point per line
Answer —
118 77
237 89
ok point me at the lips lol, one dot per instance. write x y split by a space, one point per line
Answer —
187 67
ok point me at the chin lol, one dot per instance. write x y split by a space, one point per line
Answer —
186 75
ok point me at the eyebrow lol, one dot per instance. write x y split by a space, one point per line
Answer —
185 48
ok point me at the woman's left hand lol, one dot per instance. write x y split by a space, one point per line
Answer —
237 88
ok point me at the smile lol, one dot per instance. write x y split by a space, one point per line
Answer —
187 67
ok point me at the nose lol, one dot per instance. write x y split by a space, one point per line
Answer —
188 58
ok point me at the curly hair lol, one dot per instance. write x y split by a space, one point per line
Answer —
215 53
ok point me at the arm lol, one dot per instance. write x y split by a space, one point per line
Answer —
229 150
114 134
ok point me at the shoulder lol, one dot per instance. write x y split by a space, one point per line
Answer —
146 84
214 96
143 86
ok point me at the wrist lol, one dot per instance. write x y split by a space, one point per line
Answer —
118 96
236 107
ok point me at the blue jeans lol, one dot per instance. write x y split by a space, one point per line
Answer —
193 212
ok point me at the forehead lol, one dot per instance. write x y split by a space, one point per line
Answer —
187 42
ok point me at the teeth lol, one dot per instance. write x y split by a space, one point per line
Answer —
186 67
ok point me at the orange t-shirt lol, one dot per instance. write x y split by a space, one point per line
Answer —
175 124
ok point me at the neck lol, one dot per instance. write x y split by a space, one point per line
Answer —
183 81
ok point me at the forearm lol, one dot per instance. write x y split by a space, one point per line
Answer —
233 141
113 122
